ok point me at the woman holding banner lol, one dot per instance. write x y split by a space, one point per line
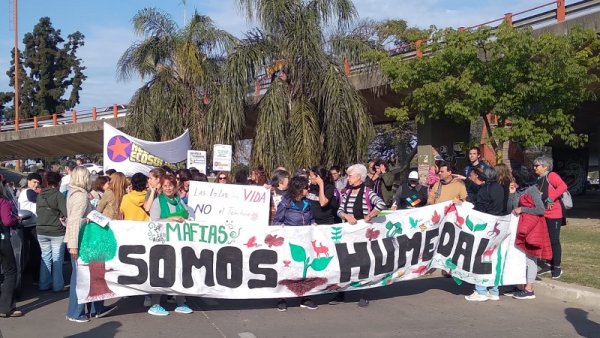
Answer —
294 210
358 202
168 207
78 207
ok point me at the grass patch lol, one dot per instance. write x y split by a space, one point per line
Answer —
580 252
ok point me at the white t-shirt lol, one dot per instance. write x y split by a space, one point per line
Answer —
64 183
25 203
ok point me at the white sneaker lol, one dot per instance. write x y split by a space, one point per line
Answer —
476 297
147 301
492 297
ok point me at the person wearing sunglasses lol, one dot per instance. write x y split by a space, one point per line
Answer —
294 210
222 178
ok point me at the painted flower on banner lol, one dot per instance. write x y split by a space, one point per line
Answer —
372 234
118 148
273 240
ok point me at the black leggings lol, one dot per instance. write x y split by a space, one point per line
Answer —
554 225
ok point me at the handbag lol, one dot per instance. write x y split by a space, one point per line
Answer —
566 200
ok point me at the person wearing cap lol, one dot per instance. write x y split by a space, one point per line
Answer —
410 194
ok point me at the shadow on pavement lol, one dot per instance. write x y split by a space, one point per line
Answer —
109 329
582 324
407 288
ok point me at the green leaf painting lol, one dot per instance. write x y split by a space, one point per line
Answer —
319 264
336 234
298 253
475 227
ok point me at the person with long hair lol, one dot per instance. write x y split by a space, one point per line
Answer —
258 176
294 210
505 179
8 218
78 207
184 176
100 186
153 191
551 187
222 177
168 207
322 196
532 236
51 211
111 200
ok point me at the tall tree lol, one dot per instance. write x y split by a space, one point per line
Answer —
532 83
310 113
185 84
49 68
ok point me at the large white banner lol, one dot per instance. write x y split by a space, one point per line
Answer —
223 259
131 155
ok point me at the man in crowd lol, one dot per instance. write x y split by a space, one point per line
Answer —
66 180
475 161
449 188
410 194
339 180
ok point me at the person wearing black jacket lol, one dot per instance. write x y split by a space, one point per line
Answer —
490 195
490 200
410 194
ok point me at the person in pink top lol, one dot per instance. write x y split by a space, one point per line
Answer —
8 218
551 187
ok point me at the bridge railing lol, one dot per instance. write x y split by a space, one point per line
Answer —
69 117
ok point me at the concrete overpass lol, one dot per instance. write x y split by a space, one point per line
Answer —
82 132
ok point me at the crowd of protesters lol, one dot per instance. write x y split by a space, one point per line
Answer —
304 197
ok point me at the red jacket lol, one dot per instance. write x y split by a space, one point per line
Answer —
556 188
532 232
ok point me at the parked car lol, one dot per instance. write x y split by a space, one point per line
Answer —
93 168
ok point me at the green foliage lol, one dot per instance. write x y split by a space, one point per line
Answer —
97 244
393 229
48 69
187 85
535 82
310 113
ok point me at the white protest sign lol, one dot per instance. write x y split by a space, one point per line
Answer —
197 159
214 203
224 260
98 218
222 154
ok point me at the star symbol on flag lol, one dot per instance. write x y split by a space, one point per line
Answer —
118 148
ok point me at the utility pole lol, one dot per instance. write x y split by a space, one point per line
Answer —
16 29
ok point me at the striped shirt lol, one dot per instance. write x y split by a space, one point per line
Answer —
348 200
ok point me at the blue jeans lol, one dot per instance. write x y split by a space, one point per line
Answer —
75 310
482 290
51 270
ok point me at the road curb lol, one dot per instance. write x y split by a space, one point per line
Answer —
581 295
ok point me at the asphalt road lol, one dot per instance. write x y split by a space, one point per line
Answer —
432 307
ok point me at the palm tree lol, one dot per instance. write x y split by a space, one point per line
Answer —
184 84
310 113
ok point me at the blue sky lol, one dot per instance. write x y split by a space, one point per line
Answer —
108 31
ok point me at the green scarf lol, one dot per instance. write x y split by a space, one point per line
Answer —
165 211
